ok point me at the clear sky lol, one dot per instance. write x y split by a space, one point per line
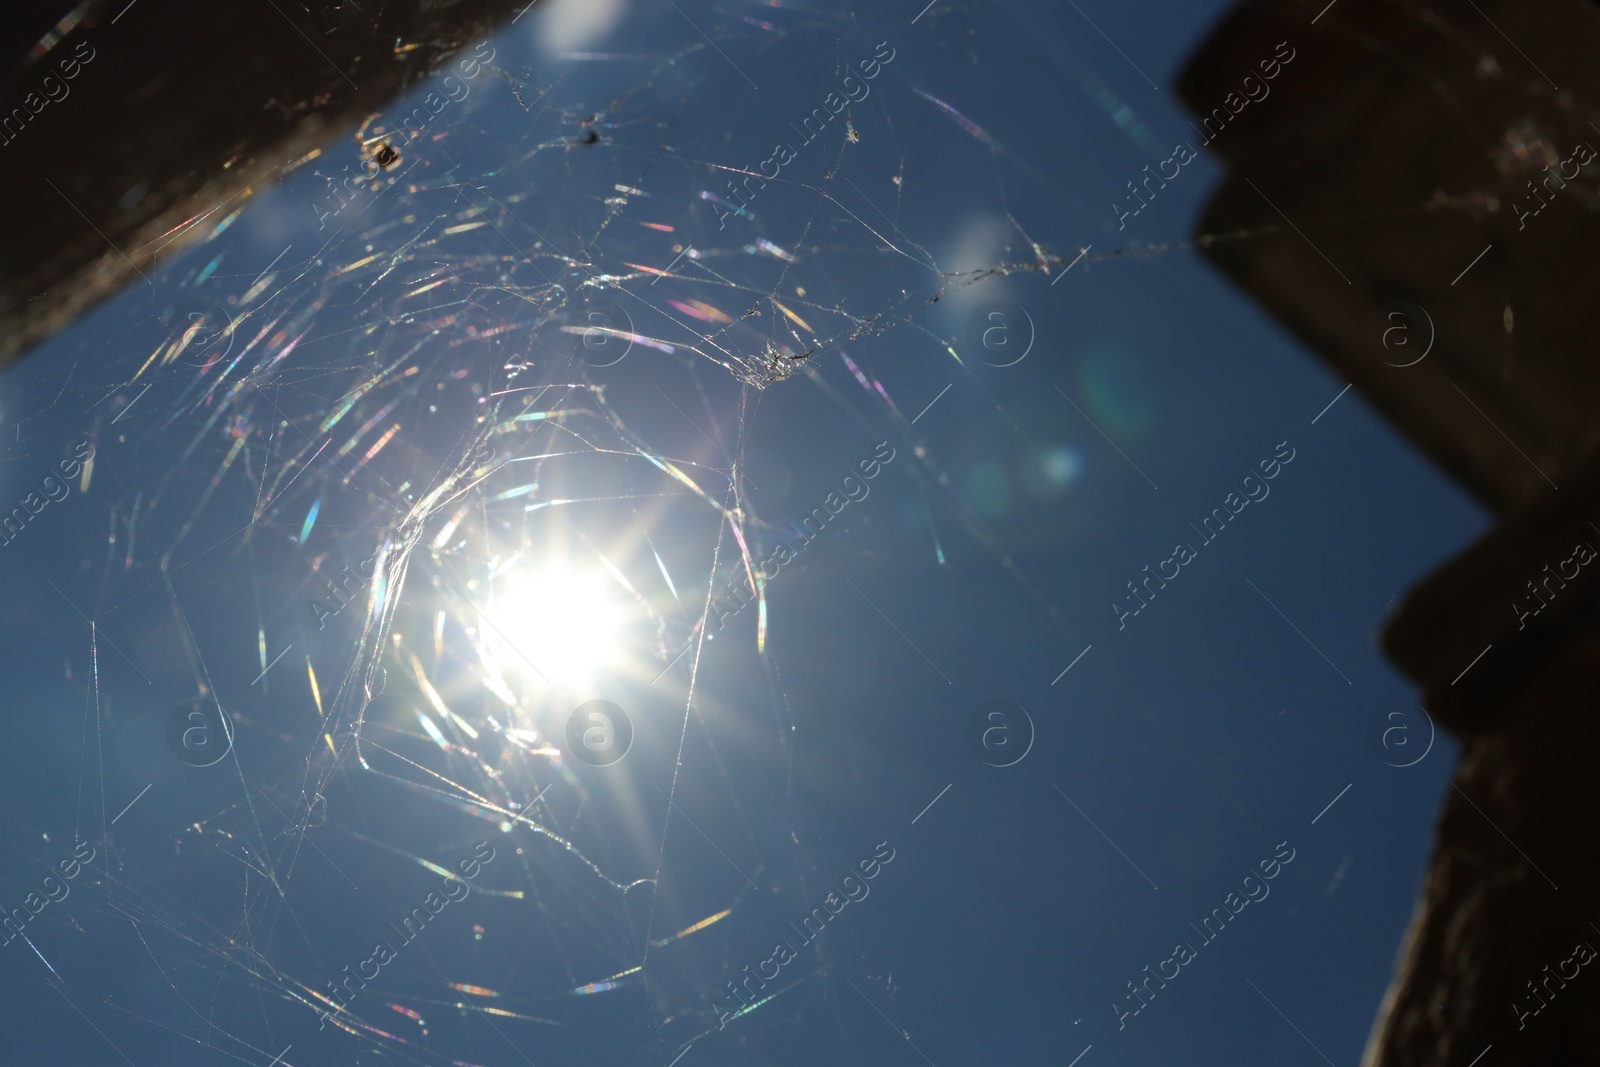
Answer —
537 399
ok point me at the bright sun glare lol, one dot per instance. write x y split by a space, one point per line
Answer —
565 621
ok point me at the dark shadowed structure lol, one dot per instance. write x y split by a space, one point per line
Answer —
125 127
1417 155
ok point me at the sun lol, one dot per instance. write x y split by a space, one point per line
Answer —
562 621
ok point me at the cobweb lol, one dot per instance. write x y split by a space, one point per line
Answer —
450 379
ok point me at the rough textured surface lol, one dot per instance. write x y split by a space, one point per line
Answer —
1504 900
175 113
1399 142
1515 868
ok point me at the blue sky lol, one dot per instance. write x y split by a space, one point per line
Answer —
587 509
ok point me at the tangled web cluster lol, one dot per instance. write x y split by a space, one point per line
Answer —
400 502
